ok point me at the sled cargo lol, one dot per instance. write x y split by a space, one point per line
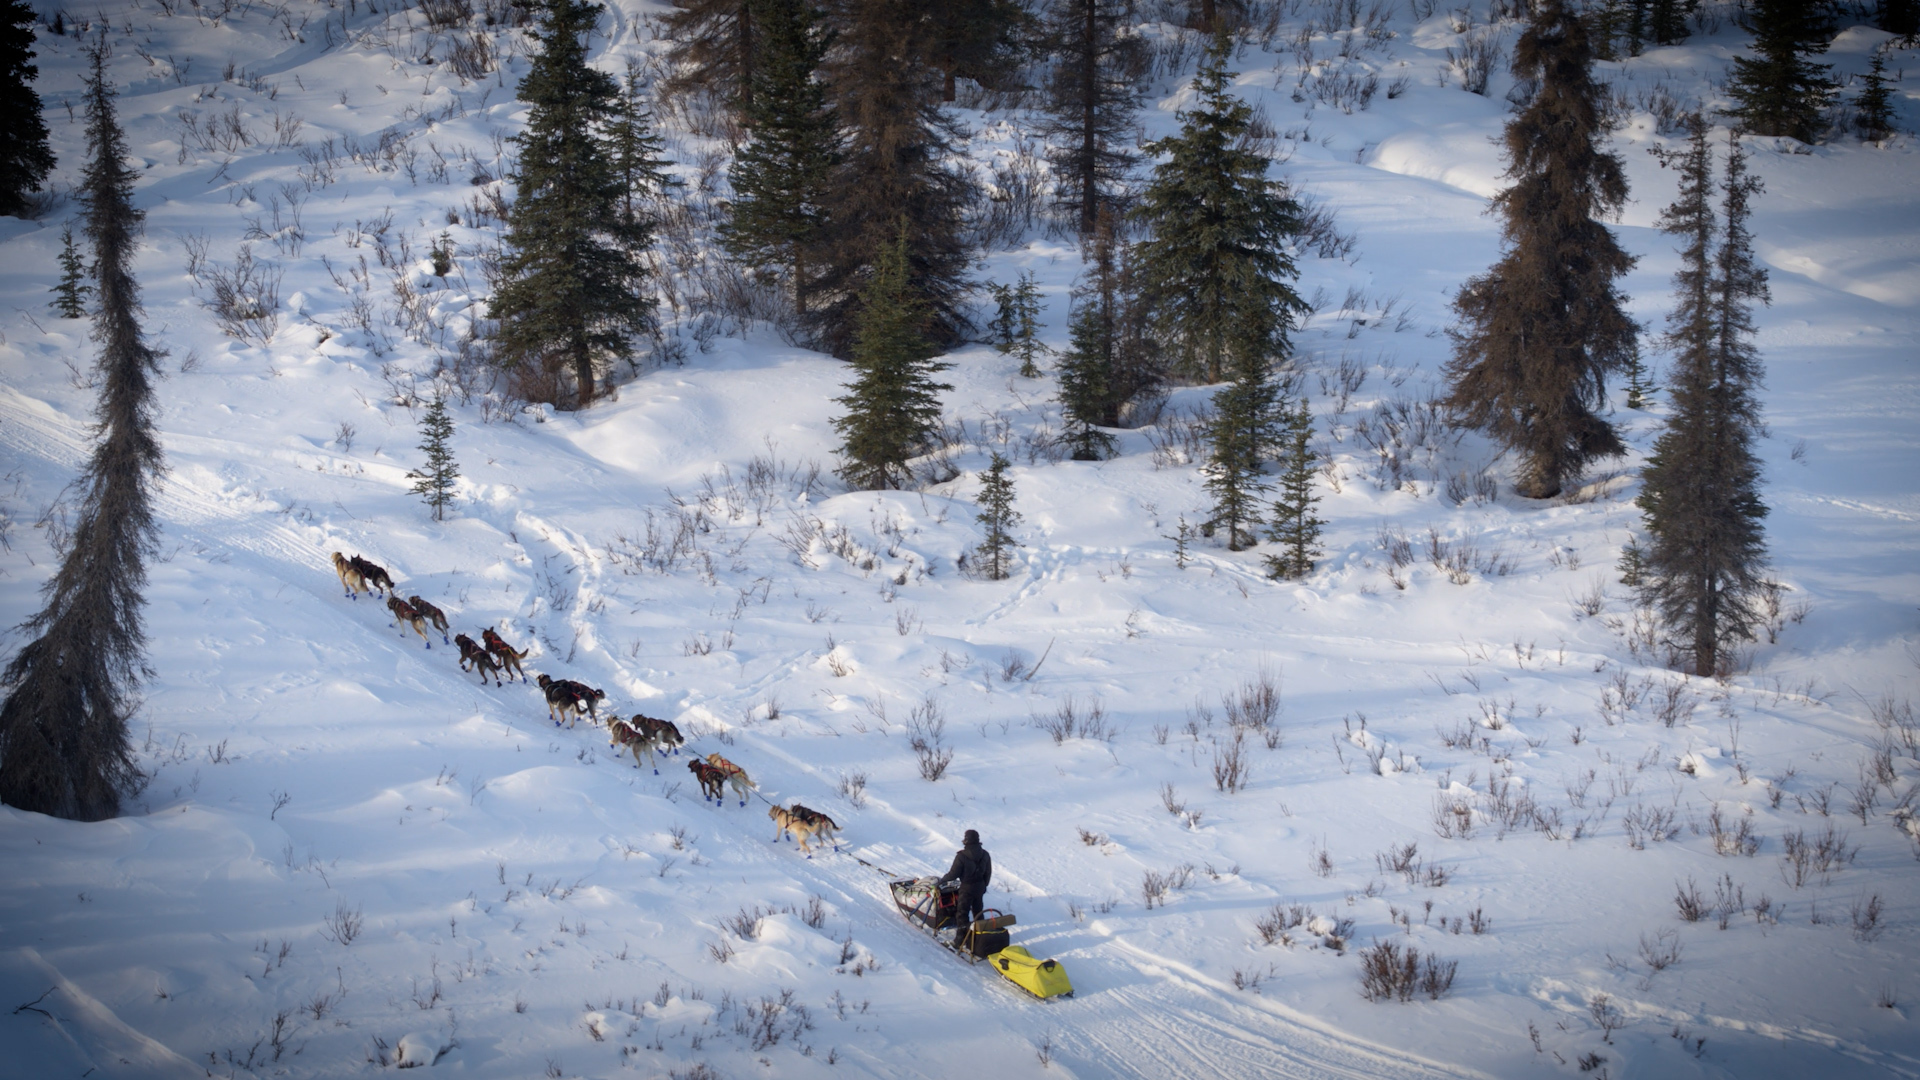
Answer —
936 911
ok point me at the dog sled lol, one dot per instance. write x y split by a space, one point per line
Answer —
936 912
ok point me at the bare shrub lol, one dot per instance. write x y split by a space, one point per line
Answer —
1154 886
1866 915
244 297
926 729
1231 769
1389 972
1737 839
1688 902
1661 951
1072 719
1818 856
1606 1015
853 788
1255 706
344 925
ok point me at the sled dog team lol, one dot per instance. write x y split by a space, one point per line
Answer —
569 700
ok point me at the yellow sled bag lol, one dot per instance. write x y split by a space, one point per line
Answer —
1041 978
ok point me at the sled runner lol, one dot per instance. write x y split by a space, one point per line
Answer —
935 910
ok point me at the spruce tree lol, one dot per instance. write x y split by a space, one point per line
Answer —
1006 315
66 748
982 40
25 157
899 144
712 47
780 175
639 159
1780 90
1248 427
1706 551
997 515
1543 327
1217 264
1091 100
70 292
1090 371
571 298
1025 340
1294 526
893 402
1876 104
1900 17
434 481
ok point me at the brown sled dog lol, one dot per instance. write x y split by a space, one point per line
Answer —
404 613
373 574
805 825
350 577
735 775
434 616
713 782
570 699
482 661
664 733
636 738
504 653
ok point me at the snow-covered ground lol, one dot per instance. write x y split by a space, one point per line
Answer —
456 874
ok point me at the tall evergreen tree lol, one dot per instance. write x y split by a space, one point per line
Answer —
639 160
713 45
1091 100
1667 20
780 176
571 299
1702 568
1217 264
1109 360
434 481
1544 326
998 516
1294 525
1780 90
70 292
982 40
898 145
893 402
65 744
1876 103
1900 17
25 157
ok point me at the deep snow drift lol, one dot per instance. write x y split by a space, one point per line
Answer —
457 880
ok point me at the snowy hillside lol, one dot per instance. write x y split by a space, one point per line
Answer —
1477 753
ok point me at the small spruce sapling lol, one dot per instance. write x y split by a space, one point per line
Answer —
434 481
70 293
1639 389
1016 322
1876 104
442 254
1294 526
998 515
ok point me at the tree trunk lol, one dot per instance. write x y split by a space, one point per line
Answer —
946 87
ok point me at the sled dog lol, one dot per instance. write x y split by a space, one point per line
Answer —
404 613
570 699
434 616
504 653
482 661
350 577
635 738
373 574
713 782
736 776
805 825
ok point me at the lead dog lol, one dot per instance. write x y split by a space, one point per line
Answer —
635 738
504 653
482 661
736 776
434 616
713 782
404 613
805 825
350 577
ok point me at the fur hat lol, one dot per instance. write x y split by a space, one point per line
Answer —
972 838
